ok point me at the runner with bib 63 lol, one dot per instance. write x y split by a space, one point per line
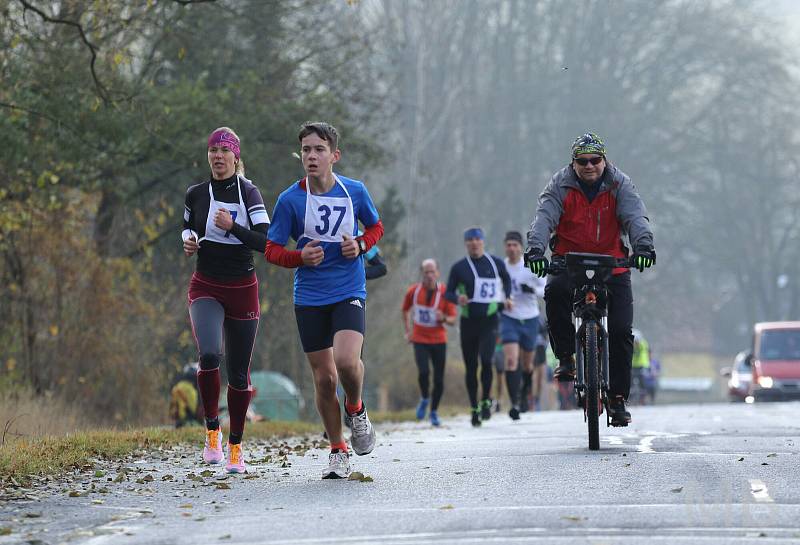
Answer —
588 207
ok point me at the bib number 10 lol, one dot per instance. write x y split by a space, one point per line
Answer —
325 217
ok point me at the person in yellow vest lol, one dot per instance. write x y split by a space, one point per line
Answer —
641 366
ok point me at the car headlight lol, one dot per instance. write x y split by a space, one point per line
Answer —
765 382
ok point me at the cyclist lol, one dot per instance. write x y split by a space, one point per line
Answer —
519 326
588 206
480 285
425 313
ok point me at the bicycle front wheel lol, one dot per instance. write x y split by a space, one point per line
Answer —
592 376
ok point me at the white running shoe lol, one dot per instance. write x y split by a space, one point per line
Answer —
338 466
363 438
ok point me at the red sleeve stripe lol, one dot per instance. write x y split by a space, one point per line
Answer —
372 234
278 255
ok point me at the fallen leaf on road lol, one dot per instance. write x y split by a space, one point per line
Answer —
396 460
461 472
75 494
740 459
207 473
98 502
446 507
198 519
223 486
99 473
252 476
764 464
32 515
5 531
772 455
358 476
679 489
627 465
573 518
226 536
186 506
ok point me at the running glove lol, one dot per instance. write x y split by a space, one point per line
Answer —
644 258
536 262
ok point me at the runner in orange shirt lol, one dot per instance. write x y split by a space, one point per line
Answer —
425 311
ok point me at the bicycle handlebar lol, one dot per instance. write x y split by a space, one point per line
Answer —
559 265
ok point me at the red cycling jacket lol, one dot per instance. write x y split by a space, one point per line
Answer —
593 227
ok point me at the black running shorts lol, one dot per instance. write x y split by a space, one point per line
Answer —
318 325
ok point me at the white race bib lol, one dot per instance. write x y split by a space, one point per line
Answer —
238 213
487 290
328 218
426 316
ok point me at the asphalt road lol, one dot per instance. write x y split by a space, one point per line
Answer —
679 474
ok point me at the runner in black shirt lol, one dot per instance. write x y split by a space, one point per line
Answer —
224 221
480 285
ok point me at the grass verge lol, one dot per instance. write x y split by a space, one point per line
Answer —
22 458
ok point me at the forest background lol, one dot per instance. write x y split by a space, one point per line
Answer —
454 113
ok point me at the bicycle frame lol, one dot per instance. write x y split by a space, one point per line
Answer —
588 273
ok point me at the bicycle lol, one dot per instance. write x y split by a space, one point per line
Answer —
589 273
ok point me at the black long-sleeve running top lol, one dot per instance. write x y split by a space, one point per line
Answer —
462 280
217 259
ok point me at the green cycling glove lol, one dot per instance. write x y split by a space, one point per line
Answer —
536 262
644 259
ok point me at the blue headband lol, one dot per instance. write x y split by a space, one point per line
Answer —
474 232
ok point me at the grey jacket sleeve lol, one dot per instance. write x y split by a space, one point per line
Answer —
548 213
632 215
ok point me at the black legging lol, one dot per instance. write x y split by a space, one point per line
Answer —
209 322
435 354
558 296
478 337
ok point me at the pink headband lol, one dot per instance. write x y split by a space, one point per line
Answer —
224 138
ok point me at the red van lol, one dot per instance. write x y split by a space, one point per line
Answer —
776 361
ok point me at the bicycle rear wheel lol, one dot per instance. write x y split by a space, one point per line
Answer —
592 377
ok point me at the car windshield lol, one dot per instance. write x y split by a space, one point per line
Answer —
742 366
780 344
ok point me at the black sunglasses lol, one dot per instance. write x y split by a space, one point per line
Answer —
583 161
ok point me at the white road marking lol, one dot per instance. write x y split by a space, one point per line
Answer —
545 535
646 445
759 491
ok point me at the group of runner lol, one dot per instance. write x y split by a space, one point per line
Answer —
226 220
487 292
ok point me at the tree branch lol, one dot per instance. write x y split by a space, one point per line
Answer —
101 90
189 2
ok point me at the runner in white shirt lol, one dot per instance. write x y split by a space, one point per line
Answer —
519 325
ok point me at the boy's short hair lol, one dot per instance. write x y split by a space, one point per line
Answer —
326 131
